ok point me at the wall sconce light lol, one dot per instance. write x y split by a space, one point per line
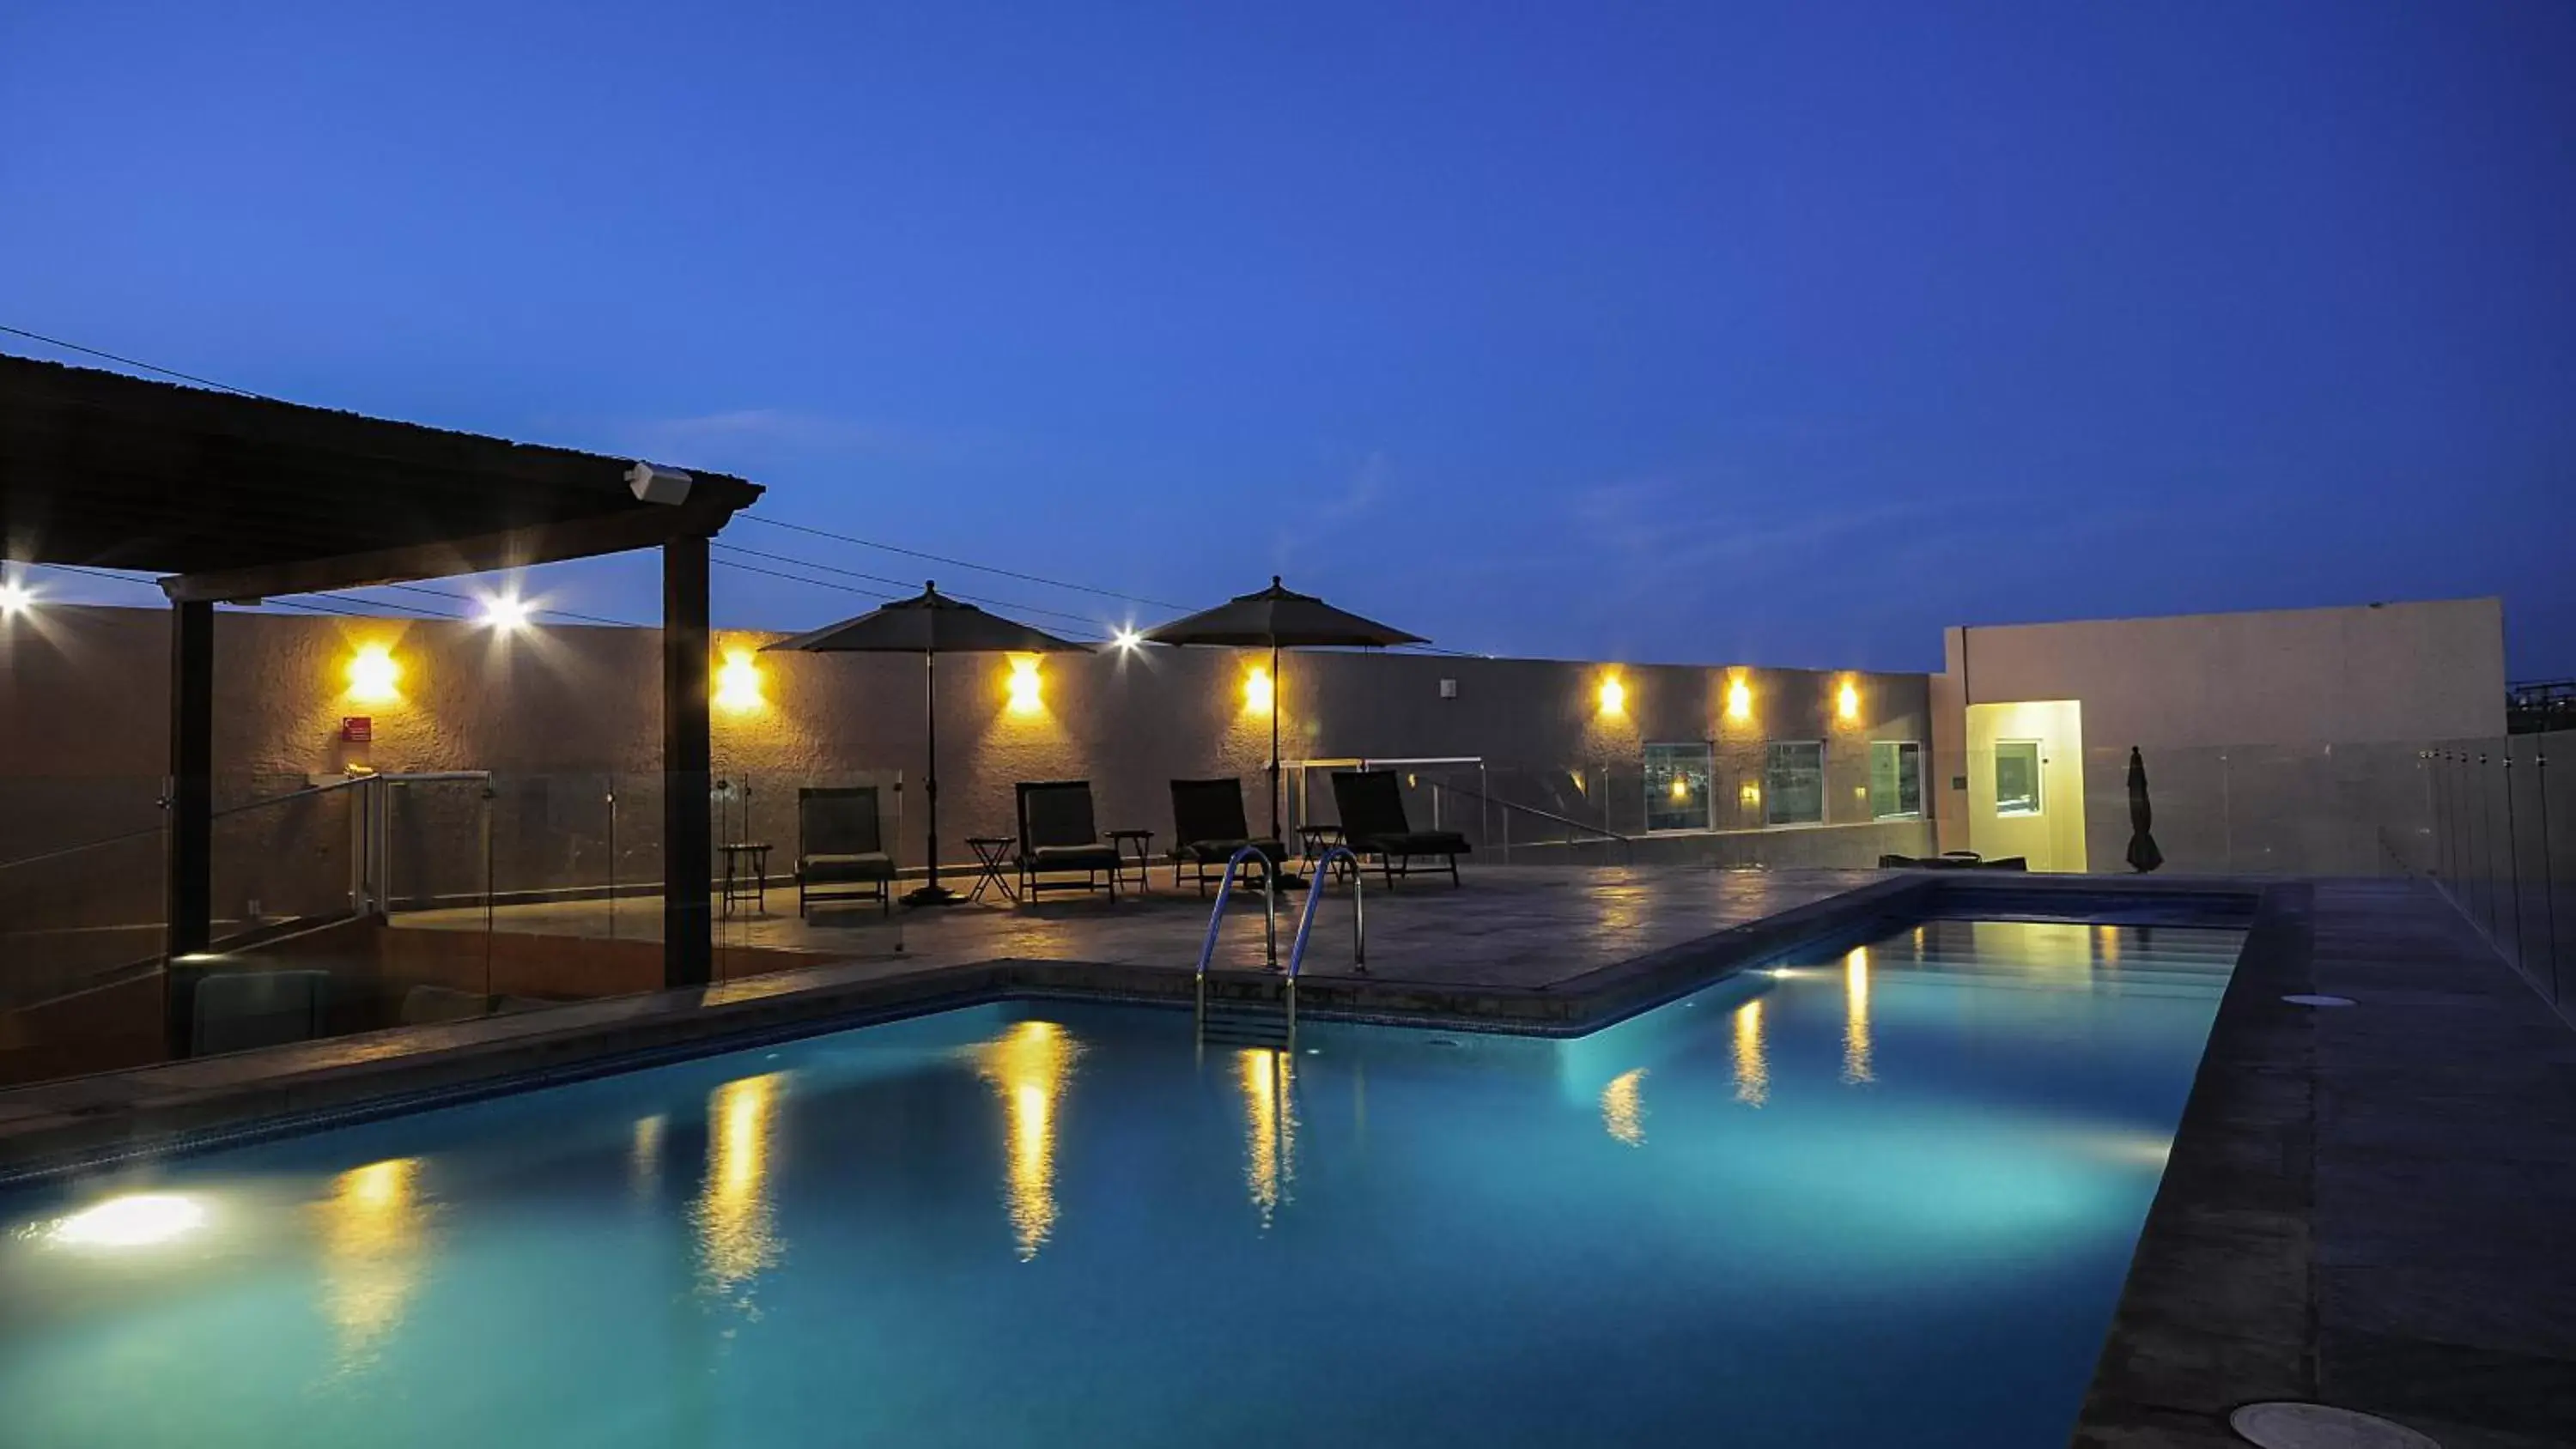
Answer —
1681 788
1847 703
1027 691
1258 692
738 683
1614 696
1751 795
375 677
1739 700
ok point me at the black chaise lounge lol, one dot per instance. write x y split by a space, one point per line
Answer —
1208 826
1058 836
840 851
1952 860
1373 823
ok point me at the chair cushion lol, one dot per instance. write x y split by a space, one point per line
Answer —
872 865
1073 857
1416 842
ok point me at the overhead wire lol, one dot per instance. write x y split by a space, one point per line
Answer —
746 515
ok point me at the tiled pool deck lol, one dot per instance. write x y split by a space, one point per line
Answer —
1518 927
2373 1206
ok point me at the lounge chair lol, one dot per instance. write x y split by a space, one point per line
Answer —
1373 823
1057 835
1208 828
839 845
1952 860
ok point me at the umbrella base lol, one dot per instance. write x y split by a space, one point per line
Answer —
933 895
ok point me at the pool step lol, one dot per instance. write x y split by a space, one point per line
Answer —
1244 1026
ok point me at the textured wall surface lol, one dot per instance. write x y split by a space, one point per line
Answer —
567 716
2276 742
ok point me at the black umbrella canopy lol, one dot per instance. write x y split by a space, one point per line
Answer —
928 623
1279 618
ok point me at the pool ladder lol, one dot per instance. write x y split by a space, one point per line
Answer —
1235 1025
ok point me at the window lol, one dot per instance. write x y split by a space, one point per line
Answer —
1895 779
1677 778
1793 783
2016 777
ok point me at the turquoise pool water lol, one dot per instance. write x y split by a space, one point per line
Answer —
1885 1197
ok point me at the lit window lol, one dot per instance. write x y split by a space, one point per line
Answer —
1895 779
1677 786
1793 783
2016 777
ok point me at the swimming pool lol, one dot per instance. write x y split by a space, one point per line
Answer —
1884 1196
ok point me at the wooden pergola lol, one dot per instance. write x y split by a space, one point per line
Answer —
234 499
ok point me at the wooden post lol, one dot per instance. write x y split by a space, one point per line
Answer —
688 844
188 924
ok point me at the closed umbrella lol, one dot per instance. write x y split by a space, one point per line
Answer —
929 624
2143 855
1280 619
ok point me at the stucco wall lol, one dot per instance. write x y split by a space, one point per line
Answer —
2402 673
565 715
2274 741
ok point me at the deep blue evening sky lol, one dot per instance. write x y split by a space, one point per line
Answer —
1783 333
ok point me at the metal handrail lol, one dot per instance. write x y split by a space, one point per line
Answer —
1323 866
1627 843
1269 906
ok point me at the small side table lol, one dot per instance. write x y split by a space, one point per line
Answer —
993 853
1143 840
746 874
1314 840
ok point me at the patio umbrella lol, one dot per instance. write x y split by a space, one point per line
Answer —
1281 619
2143 855
929 624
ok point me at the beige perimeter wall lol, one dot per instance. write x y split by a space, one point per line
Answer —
564 715
2273 741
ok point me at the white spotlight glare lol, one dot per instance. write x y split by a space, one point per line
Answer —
506 612
15 596
136 1220
1127 639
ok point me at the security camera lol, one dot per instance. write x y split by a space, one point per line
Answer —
666 486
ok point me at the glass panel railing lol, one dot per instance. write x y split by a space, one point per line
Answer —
2505 852
81 909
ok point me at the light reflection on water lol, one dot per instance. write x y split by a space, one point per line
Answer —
737 1229
375 1252
1856 1047
1268 1080
1752 1067
1029 1067
1623 1107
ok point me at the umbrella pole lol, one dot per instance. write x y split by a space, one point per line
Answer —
932 894
1287 879
1278 701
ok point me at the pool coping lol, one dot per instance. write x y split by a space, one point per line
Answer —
120 1120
